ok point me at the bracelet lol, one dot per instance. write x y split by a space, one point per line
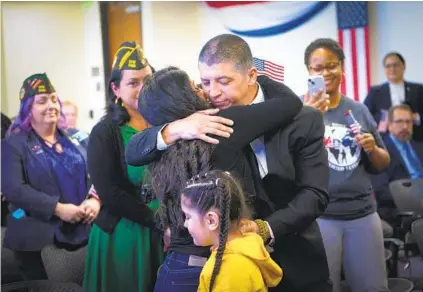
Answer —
92 193
95 197
263 230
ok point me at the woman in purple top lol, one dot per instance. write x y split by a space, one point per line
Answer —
45 180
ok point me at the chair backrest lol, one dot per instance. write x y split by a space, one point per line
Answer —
400 285
394 285
41 286
405 194
417 233
9 267
62 265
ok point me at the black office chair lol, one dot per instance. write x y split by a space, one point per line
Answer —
407 198
417 233
393 245
9 267
62 265
394 285
400 285
408 195
41 286
387 229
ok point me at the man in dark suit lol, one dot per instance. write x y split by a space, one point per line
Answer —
290 165
406 158
396 91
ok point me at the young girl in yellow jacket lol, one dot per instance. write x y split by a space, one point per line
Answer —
214 204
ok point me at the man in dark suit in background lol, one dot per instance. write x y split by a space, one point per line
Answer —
396 91
290 165
406 158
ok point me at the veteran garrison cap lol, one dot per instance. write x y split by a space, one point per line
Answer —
129 56
36 84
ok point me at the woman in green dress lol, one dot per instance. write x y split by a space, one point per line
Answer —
124 249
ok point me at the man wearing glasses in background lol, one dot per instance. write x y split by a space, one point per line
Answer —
406 158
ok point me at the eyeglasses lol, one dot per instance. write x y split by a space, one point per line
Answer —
402 122
331 67
393 65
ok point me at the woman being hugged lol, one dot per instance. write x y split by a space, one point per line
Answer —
123 252
170 95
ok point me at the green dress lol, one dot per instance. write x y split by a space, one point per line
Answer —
128 259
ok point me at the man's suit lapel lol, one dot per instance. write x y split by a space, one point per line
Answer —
262 202
408 92
275 153
271 147
412 97
386 100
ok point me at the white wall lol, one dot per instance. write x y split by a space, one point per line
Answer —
397 26
94 95
286 49
60 38
171 34
174 32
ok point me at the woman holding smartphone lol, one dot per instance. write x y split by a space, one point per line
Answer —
351 228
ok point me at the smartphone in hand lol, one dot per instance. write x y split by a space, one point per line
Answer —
316 84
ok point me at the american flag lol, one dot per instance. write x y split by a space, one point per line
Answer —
269 69
353 36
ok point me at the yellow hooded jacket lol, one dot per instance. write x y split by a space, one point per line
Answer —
246 266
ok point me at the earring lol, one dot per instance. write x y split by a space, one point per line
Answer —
117 99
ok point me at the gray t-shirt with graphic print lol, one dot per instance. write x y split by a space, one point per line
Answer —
350 188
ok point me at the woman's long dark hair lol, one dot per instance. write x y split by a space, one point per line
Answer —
169 174
219 190
114 108
166 97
